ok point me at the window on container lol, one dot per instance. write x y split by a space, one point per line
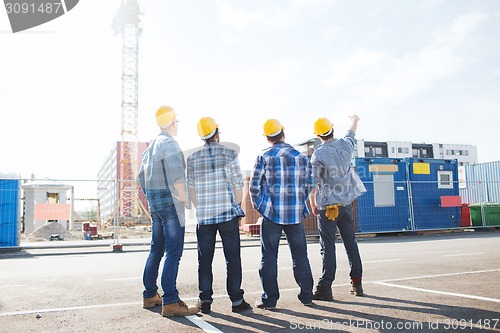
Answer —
383 190
445 179
52 198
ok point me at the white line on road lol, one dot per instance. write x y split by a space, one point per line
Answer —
203 324
83 307
440 292
379 261
14 286
439 275
97 306
463 254
256 270
123 279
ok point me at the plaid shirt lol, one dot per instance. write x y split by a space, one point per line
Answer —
333 176
281 183
162 166
213 172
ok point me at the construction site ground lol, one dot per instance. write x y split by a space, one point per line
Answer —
431 282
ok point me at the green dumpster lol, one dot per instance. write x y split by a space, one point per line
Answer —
491 214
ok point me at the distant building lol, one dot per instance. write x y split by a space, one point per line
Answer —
46 202
107 177
464 154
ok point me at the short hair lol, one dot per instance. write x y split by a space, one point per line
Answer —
276 138
212 138
327 137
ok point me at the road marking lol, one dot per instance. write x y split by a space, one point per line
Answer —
83 307
256 270
203 324
123 279
439 275
382 282
463 254
440 292
13 286
379 261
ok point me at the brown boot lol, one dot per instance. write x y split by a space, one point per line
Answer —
178 309
151 302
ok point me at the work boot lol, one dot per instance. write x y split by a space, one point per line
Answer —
178 309
357 289
243 306
259 304
204 306
151 302
323 293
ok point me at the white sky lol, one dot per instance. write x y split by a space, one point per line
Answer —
414 70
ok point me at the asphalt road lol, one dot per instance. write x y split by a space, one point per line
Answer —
428 283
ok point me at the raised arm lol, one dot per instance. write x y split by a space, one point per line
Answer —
354 122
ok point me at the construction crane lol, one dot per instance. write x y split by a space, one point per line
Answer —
127 23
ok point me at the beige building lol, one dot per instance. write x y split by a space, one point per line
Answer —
47 202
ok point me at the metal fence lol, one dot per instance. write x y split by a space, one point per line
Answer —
410 206
414 206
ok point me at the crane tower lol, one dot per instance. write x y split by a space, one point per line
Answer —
127 23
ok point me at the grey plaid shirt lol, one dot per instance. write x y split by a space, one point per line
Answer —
162 166
333 176
213 172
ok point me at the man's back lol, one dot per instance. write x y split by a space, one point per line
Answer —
162 165
332 172
281 183
213 172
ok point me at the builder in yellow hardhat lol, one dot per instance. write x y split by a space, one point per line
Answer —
336 185
215 186
162 179
279 188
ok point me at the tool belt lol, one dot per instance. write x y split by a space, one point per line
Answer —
332 211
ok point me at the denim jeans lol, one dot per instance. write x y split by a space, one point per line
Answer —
270 234
230 235
168 238
327 230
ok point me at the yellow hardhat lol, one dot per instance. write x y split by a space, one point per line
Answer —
207 127
165 116
323 127
272 127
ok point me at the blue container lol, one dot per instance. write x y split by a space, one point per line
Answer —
430 180
385 205
9 211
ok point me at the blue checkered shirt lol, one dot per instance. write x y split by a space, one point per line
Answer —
213 172
281 183
162 166
333 175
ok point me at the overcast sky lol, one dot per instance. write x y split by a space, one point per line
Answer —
414 70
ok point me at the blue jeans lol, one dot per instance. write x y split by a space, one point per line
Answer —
270 234
168 238
327 230
230 235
